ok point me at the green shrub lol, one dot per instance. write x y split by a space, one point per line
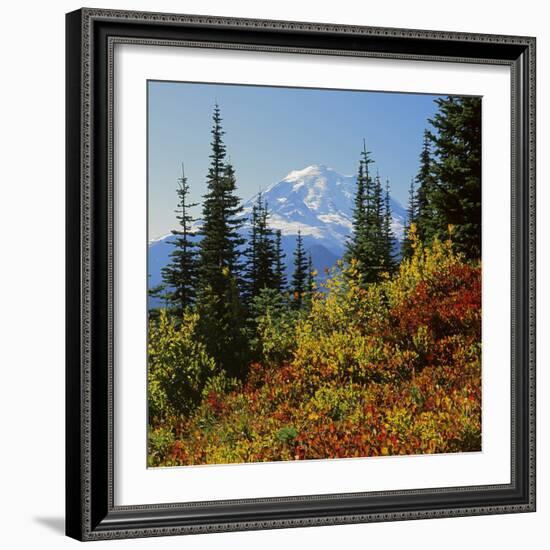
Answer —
273 323
287 434
178 366
161 440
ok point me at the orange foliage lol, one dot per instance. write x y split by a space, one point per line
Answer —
400 376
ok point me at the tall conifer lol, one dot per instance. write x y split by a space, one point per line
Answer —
251 255
266 250
219 247
376 237
456 170
261 253
368 242
359 245
280 275
388 240
221 314
310 284
406 245
180 274
426 215
299 277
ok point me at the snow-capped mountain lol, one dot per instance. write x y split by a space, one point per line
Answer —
316 200
319 202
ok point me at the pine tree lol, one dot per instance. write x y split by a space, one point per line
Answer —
250 287
368 245
233 209
456 171
220 242
356 239
179 276
406 248
280 275
158 292
359 246
388 240
260 271
222 315
426 216
299 277
266 250
221 326
376 233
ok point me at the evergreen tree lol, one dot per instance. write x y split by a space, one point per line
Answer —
261 253
221 326
221 313
180 274
309 283
280 275
220 242
368 244
359 246
266 250
456 171
426 216
376 230
406 248
250 287
388 240
357 237
158 292
299 277
233 210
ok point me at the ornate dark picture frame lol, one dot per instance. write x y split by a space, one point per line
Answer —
90 510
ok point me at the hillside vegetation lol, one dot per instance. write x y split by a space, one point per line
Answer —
389 368
247 364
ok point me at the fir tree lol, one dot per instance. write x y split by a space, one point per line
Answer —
251 254
158 292
232 210
280 275
356 239
260 269
375 223
222 315
221 326
388 239
309 283
180 274
456 170
426 216
406 248
266 250
359 245
220 242
299 277
368 243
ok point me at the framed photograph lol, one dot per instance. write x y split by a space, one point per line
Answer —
300 274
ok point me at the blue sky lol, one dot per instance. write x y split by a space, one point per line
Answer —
271 131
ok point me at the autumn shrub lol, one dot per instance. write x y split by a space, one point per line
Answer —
384 369
273 340
160 443
178 366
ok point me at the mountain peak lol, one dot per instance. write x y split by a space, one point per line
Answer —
318 201
315 201
313 170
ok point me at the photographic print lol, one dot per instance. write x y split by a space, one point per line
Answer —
275 270
314 274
